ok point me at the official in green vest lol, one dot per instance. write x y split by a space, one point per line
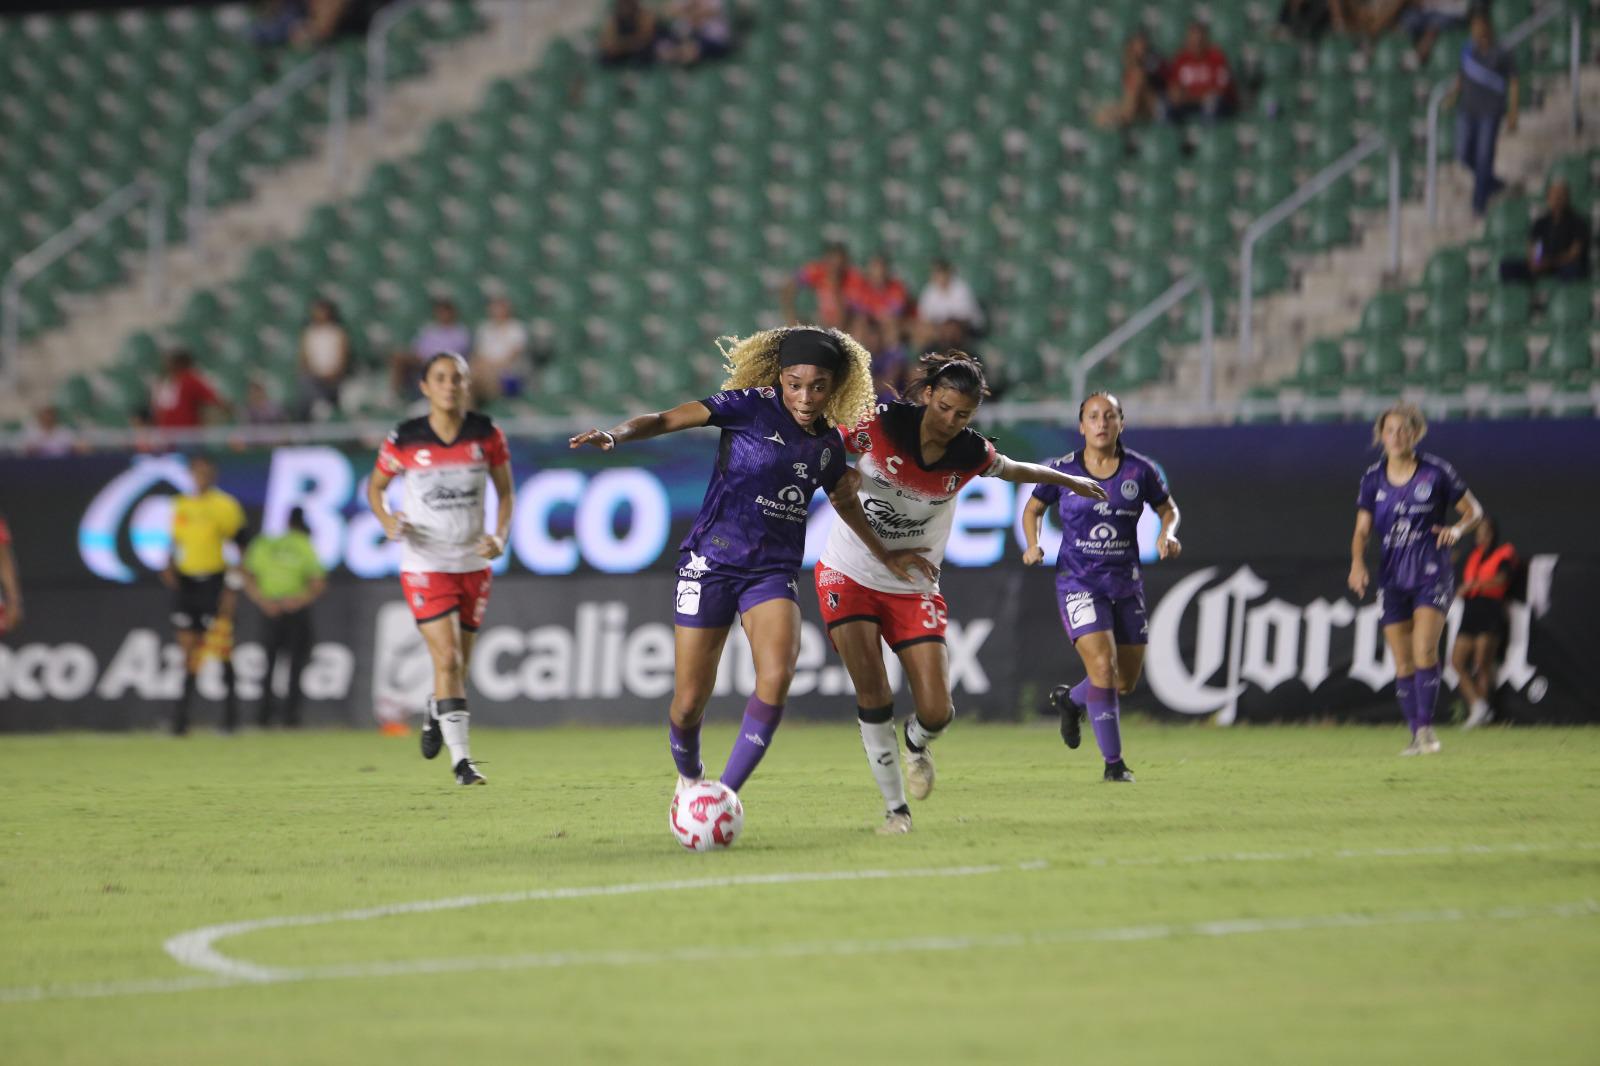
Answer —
284 578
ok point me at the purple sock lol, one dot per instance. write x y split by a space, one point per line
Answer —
1403 694
685 741
1080 693
1103 716
1424 693
755 737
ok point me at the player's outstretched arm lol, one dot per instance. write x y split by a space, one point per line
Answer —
684 416
1358 579
1167 546
1038 474
847 504
1032 518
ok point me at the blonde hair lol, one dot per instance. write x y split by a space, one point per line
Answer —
752 362
1413 418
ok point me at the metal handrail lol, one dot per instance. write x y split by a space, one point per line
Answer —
82 228
1521 32
383 23
1141 319
257 107
1298 199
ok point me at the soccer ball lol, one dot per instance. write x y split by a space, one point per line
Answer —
706 816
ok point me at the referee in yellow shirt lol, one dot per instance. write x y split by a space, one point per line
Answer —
202 522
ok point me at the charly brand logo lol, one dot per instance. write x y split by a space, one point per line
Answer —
1240 642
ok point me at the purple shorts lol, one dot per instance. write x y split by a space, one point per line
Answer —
1400 604
709 598
1084 611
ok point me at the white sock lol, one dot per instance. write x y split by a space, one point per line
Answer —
454 726
1480 706
920 736
883 755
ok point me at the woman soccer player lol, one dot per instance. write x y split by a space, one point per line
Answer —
444 552
1485 581
786 391
1407 495
1099 591
914 459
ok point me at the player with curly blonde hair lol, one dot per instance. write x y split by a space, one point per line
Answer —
786 392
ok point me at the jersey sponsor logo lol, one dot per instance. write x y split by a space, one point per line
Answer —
1080 609
1103 531
688 598
1130 489
829 576
776 438
792 494
1267 643
450 498
696 567
888 522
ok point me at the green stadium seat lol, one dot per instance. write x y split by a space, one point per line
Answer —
1567 358
1321 361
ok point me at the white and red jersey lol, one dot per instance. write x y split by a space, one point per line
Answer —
908 504
444 491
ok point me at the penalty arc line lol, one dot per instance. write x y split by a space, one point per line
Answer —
1228 927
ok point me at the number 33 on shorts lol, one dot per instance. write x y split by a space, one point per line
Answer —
934 615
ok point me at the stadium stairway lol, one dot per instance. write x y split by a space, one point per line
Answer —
1334 286
459 73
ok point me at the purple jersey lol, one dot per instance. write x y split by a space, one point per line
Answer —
1404 517
768 467
1100 541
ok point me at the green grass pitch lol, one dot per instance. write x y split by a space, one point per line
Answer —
1262 895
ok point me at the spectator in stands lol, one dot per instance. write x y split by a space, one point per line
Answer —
1310 19
948 312
1141 86
1486 92
276 22
445 333
179 399
1198 80
1424 20
891 367
1558 243
324 361
628 35
698 30
46 436
260 409
499 353
326 19
878 295
829 278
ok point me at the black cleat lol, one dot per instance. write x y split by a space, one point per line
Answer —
1118 771
467 774
1071 715
432 736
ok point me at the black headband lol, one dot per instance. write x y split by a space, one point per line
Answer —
810 347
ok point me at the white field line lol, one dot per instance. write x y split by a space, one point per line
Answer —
196 948
1226 927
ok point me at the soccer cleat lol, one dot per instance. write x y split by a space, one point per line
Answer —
919 773
1118 771
896 823
1481 714
687 782
432 735
1415 747
1428 741
1071 715
467 774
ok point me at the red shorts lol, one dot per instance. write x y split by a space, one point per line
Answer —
433 595
904 617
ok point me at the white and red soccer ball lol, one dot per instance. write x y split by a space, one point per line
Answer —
706 816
